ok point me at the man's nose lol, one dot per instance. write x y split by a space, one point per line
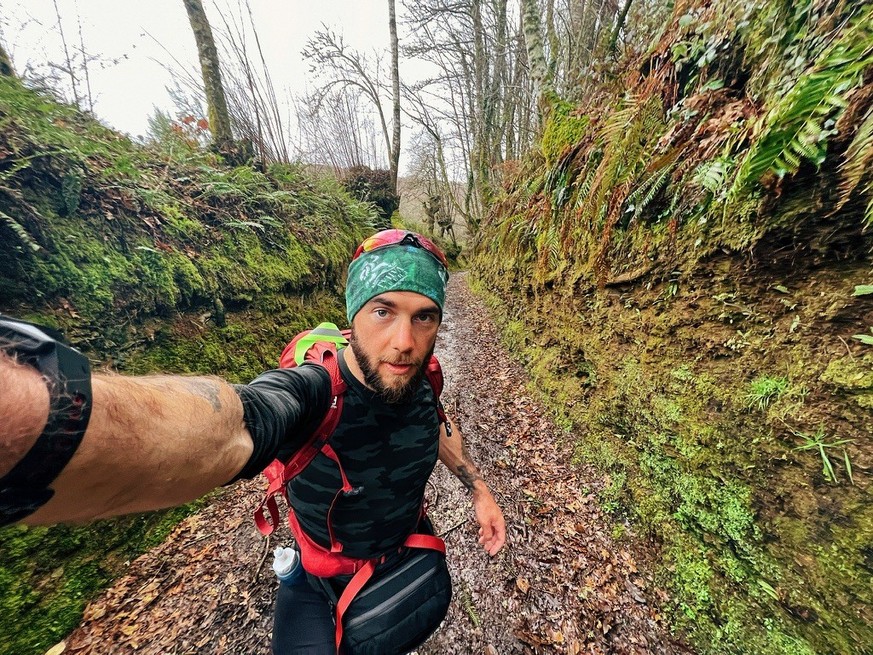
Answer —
403 339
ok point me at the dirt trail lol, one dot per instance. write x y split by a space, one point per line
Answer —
562 585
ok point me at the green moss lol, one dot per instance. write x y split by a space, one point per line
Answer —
562 129
177 224
246 345
685 459
692 580
698 358
49 574
853 376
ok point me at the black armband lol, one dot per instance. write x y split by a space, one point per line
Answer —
68 374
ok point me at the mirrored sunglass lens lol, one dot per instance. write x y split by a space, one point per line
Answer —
383 239
392 237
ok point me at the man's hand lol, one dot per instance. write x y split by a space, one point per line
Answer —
492 526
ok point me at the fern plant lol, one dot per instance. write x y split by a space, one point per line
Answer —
796 128
857 164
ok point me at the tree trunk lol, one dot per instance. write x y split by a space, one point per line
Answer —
6 68
395 87
533 38
619 25
481 165
554 42
219 117
499 91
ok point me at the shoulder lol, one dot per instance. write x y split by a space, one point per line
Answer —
303 381
311 373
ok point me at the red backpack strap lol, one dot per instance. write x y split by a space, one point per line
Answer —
352 588
278 474
434 373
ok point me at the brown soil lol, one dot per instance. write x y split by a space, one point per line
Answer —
561 585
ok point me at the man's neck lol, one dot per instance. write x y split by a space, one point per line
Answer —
351 361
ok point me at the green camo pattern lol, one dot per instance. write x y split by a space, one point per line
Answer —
388 452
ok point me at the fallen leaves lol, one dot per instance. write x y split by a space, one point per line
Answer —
194 593
57 649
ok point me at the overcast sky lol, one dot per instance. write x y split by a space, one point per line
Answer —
134 33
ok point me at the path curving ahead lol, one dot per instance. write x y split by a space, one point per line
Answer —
562 584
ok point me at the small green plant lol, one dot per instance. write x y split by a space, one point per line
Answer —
768 589
817 442
469 606
612 494
864 338
764 390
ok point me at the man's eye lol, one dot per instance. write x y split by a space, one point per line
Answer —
381 313
426 318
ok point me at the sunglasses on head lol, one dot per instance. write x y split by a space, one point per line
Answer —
398 238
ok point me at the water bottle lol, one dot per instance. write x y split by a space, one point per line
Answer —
286 564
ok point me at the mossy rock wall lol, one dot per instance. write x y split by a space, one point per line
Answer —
148 259
679 277
700 403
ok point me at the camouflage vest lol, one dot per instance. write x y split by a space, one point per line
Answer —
388 452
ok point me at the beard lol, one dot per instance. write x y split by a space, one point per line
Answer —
398 393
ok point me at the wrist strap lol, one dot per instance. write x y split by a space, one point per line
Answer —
68 375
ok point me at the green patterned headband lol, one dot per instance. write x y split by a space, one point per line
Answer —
401 267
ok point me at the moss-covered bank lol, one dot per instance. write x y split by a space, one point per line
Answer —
149 259
680 278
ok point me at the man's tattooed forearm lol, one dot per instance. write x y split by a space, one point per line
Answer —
468 478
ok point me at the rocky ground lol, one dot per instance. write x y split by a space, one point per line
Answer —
561 585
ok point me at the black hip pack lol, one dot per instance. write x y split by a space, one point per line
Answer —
401 605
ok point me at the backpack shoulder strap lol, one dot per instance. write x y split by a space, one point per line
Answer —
320 350
325 355
434 374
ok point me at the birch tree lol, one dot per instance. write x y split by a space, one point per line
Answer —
533 38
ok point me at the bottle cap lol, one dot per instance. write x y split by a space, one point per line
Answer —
284 560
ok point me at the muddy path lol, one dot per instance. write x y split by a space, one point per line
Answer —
562 584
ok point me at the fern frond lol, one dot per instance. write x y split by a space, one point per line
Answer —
19 230
618 123
645 193
858 160
711 175
794 127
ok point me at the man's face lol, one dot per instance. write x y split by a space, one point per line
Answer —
393 336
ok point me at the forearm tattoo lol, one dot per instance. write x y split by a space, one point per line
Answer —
467 477
205 389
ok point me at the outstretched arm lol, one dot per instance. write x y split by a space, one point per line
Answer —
492 526
151 442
